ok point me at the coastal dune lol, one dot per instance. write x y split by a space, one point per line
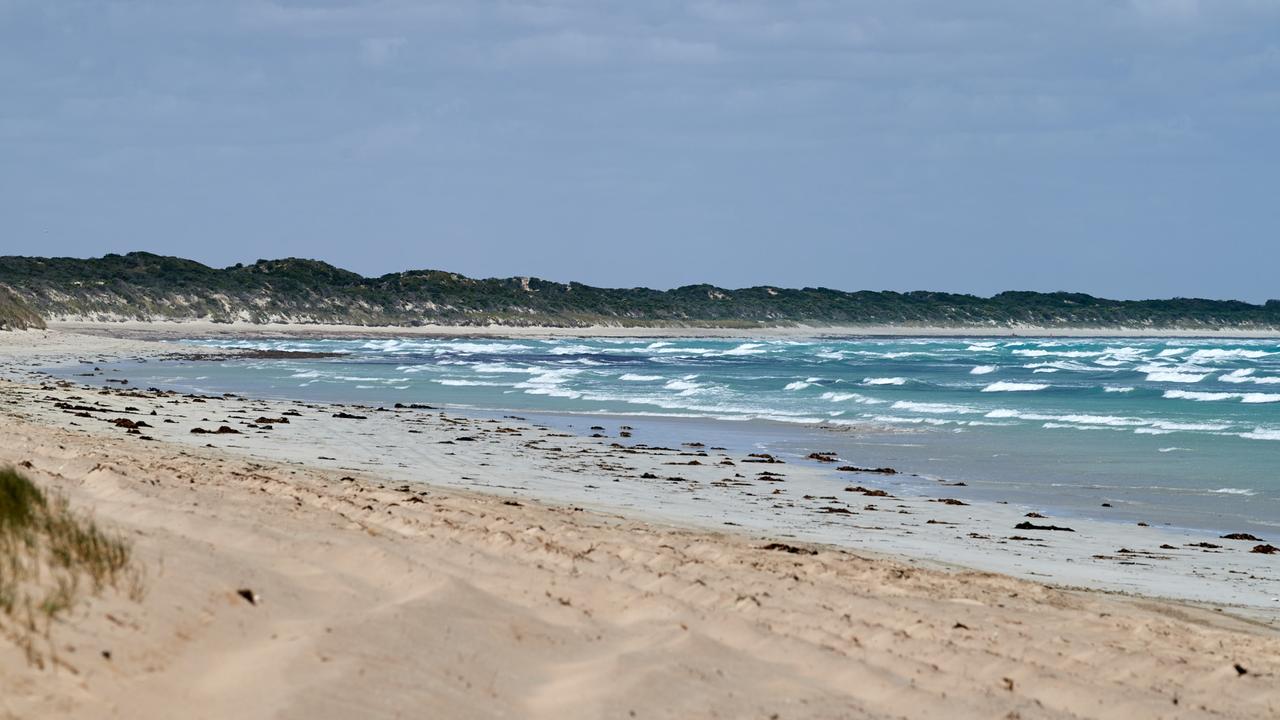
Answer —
282 585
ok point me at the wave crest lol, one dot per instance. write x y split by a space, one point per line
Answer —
1005 386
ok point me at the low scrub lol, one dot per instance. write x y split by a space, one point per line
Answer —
145 286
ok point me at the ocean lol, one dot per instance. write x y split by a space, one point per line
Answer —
1183 432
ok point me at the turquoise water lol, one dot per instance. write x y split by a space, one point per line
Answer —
1178 431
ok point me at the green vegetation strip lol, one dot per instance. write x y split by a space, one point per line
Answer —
144 286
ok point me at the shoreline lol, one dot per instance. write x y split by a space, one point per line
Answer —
866 441
200 328
550 578
960 534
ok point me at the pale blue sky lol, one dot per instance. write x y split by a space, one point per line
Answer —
1121 147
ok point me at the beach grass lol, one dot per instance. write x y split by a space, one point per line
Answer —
51 558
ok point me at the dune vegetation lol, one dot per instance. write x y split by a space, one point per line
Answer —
15 314
51 558
144 286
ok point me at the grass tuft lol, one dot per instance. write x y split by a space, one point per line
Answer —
50 557
20 502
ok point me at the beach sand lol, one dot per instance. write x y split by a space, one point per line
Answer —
399 569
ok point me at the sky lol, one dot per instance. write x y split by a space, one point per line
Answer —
1125 148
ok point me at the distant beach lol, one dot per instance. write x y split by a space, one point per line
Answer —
202 328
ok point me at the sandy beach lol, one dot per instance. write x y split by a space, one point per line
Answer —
407 561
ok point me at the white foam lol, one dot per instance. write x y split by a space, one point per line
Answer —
502 368
1117 389
1078 419
547 382
1069 365
1199 396
746 349
1261 434
469 383
885 381
983 370
1058 353
1189 427
1246 375
1110 420
797 385
554 392
459 347
1249 398
1172 352
939 408
682 351
1056 426
1237 376
684 386
1235 491
1219 355
1004 386
897 355
632 377
1127 354
1170 376
894 419
573 350
842 397
1254 398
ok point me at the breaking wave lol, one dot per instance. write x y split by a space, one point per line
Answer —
1171 376
1004 386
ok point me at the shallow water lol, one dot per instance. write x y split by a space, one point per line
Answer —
1179 431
